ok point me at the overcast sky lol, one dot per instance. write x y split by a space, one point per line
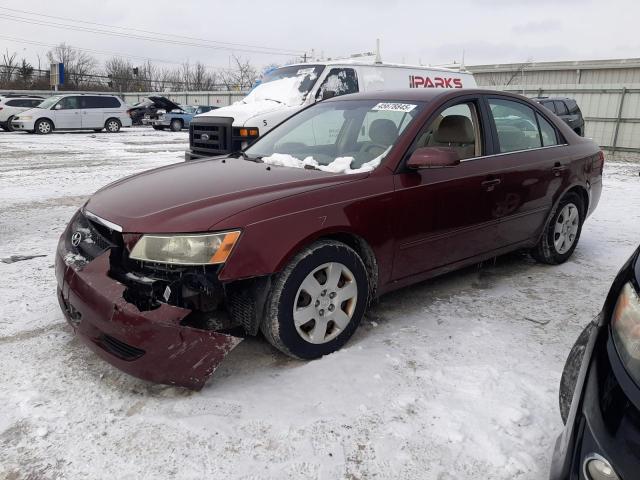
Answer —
489 31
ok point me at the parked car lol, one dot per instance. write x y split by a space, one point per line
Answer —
349 199
567 109
150 108
74 112
600 390
179 118
286 90
11 105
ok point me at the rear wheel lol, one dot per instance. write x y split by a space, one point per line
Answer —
112 125
43 127
562 233
317 301
176 125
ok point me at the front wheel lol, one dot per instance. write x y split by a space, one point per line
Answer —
43 127
113 125
317 301
562 233
9 128
175 125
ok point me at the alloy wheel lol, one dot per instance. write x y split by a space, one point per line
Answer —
325 303
566 228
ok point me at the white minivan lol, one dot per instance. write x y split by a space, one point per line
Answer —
74 112
286 90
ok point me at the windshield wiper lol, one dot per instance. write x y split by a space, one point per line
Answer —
251 159
274 100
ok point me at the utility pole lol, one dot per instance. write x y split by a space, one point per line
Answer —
378 57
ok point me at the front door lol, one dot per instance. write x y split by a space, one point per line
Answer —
68 113
446 215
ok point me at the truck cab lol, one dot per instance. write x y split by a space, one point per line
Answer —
287 90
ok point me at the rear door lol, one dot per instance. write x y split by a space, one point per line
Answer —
92 111
68 113
533 165
446 215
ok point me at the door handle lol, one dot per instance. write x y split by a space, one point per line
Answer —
489 185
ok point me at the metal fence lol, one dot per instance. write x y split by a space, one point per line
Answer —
215 98
611 112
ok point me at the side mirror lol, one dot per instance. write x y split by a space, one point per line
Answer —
57 107
433 157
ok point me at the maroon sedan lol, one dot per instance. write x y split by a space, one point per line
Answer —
164 272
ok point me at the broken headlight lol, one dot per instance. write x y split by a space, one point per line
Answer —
625 326
196 249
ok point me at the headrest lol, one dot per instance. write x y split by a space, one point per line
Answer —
383 131
455 129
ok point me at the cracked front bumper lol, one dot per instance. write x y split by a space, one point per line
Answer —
152 345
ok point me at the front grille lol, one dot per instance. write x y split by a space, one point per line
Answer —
120 349
211 135
85 240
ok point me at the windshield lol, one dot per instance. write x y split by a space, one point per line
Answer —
49 102
349 136
188 109
286 85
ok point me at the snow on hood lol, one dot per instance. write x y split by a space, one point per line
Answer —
285 91
339 165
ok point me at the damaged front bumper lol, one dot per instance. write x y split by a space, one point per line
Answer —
154 345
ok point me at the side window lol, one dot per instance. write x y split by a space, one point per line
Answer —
561 108
341 81
573 107
549 105
14 103
548 133
69 103
34 103
455 127
100 102
516 125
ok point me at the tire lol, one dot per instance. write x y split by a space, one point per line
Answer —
43 127
112 125
156 127
330 270
565 224
176 125
8 127
571 371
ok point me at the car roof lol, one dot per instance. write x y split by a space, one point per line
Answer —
546 99
419 94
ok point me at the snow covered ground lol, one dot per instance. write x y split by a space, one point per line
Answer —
455 378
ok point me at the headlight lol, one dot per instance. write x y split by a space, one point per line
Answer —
199 249
625 326
22 118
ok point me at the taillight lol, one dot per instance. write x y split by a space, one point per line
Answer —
598 165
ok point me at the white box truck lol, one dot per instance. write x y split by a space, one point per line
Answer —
287 90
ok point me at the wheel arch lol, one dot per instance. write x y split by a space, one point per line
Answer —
578 189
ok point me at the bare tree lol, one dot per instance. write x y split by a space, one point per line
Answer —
201 79
25 72
242 75
79 66
9 67
120 74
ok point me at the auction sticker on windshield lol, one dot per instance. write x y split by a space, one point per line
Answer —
395 107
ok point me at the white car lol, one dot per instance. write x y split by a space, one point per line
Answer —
75 112
11 105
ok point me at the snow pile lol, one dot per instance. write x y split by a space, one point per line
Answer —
339 165
283 90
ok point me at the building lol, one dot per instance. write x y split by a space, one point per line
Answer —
607 91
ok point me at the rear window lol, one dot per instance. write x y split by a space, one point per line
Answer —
100 102
549 105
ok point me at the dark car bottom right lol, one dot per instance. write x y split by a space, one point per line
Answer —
600 393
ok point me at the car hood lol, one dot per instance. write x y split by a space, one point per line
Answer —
33 110
165 103
241 112
195 196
